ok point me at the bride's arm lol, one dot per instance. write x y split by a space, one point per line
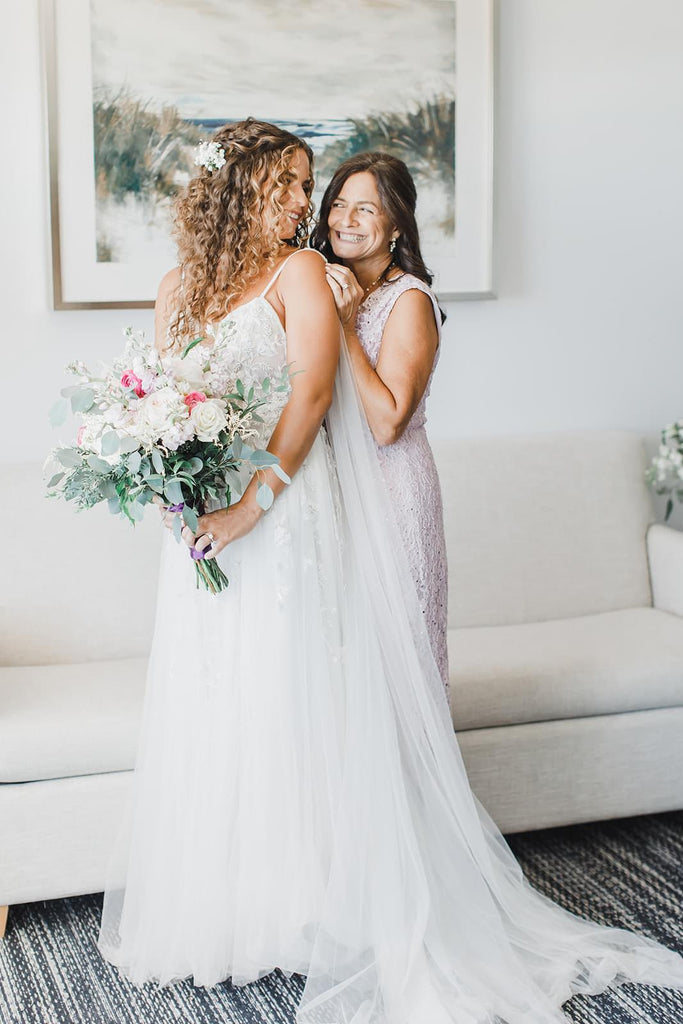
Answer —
164 306
313 347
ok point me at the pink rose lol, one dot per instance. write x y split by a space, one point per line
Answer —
79 435
131 380
194 398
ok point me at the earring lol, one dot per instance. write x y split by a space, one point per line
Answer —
392 245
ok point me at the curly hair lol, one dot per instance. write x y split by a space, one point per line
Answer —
225 220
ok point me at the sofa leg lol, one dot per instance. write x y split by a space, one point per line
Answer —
3 921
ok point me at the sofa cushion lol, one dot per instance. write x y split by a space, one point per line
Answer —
629 660
60 720
84 587
544 526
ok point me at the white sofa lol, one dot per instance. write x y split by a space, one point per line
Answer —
566 642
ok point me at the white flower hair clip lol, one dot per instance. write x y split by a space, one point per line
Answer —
210 155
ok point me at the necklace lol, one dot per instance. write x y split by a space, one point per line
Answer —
377 279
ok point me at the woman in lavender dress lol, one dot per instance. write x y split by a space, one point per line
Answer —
392 325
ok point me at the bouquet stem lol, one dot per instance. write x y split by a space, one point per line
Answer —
210 576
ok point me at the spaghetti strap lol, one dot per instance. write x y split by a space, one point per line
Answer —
281 268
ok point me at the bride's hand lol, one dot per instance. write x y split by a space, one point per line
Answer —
348 294
226 525
167 516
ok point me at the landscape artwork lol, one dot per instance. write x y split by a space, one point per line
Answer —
162 75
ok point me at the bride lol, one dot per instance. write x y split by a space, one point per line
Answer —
299 797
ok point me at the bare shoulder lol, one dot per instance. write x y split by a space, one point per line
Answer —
414 313
167 292
414 299
304 269
169 284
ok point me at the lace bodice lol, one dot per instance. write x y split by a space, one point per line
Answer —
371 321
250 344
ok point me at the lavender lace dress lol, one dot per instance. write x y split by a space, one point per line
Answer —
411 476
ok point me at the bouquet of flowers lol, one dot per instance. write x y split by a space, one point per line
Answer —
174 428
665 473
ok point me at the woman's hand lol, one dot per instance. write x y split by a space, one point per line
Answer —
167 516
226 525
348 294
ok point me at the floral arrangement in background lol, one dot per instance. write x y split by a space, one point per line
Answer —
665 473
171 429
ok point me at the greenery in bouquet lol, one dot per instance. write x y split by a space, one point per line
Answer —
172 429
665 472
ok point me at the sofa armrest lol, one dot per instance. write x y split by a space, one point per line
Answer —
665 555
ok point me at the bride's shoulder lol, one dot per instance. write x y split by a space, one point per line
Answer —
305 268
165 305
169 285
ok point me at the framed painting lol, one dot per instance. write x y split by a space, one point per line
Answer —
133 86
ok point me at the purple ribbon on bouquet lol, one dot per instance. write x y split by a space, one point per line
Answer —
194 552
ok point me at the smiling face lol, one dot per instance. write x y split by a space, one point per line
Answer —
359 228
292 193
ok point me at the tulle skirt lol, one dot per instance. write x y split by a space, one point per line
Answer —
222 861
300 800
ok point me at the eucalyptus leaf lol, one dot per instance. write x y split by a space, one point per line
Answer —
128 444
264 496
237 446
157 461
136 511
265 386
173 491
99 465
57 414
71 390
239 387
279 471
134 460
177 528
190 518
54 480
69 457
195 465
114 506
156 483
110 442
82 400
262 458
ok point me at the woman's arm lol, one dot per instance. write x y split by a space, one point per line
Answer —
313 347
164 307
391 391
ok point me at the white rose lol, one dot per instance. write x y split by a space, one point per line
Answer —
209 419
156 413
188 372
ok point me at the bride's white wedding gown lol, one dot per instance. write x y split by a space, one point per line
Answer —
299 798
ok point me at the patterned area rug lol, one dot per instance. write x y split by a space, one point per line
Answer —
627 873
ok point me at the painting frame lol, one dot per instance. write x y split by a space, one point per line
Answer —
79 282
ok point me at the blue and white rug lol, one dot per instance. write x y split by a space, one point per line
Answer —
627 873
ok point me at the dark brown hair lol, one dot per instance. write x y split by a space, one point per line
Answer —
398 195
218 219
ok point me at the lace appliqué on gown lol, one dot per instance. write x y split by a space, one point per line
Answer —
412 479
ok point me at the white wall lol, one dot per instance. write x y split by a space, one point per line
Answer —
587 329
